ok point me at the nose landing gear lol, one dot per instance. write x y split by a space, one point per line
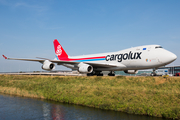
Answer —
154 72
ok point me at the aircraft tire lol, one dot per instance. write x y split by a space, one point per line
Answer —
100 74
89 74
111 74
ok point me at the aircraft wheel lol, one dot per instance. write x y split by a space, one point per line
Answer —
111 73
101 74
153 74
89 74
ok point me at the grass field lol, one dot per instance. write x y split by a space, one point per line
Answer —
153 96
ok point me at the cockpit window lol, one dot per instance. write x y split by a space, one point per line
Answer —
158 47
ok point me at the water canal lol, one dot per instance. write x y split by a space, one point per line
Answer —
21 108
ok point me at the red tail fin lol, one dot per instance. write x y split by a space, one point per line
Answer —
61 54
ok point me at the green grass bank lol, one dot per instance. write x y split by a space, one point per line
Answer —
153 96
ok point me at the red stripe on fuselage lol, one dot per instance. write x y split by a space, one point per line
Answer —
74 59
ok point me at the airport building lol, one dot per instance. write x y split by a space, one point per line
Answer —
170 70
140 73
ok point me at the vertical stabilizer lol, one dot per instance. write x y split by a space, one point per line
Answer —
59 51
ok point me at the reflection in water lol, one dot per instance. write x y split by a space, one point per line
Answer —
46 110
57 112
16 108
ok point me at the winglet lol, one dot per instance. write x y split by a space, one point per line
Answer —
4 56
60 52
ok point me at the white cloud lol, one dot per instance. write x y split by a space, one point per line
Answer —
4 2
175 37
55 28
37 8
34 7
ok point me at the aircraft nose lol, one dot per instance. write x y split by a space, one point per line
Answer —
173 56
167 57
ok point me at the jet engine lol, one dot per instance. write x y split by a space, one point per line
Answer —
131 71
85 68
47 65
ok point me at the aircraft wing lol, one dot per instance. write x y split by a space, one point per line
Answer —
93 64
37 60
41 60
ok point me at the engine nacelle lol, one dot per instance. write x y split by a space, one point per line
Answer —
85 68
47 65
131 71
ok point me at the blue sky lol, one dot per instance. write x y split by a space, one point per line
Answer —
28 28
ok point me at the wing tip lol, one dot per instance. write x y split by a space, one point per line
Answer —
4 57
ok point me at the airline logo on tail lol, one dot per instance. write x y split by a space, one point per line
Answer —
58 51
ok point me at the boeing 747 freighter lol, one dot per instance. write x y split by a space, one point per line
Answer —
129 60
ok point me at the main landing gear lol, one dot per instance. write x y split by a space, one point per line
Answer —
98 73
111 73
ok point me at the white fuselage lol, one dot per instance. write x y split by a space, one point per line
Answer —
136 58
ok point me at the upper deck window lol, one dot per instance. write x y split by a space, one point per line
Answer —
158 47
